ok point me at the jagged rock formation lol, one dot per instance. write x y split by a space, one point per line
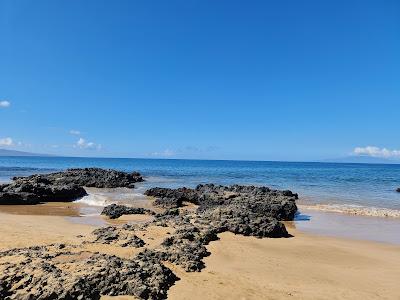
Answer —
63 186
50 273
259 200
118 236
114 211
62 271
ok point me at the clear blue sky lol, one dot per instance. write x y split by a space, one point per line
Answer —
268 80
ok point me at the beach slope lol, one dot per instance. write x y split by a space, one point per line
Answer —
303 267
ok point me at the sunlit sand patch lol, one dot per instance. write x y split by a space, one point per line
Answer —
154 235
137 219
69 209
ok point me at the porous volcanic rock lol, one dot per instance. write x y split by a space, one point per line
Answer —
36 189
172 198
63 186
121 236
92 177
114 211
259 200
45 273
62 271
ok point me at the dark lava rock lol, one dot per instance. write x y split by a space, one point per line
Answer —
133 241
172 198
260 200
114 211
245 210
63 186
92 177
186 247
106 235
398 190
62 271
36 189
239 221
121 236
41 275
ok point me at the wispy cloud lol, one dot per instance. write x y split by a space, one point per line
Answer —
376 152
83 144
6 141
75 132
188 151
165 153
4 104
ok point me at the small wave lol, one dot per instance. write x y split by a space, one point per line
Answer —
357 210
94 200
104 197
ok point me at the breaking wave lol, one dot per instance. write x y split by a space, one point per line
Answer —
94 200
352 209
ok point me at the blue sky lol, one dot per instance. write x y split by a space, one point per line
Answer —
261 80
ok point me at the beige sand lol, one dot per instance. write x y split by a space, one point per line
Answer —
30 230
303 267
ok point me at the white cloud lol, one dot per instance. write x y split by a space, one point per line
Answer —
83 144
4 104
6 141
75 132
165 153
376 152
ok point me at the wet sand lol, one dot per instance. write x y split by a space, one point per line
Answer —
306 266
46 209
378 229
30 230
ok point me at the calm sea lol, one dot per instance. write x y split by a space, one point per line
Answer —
369 188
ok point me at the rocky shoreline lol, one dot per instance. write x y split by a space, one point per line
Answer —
63 186
190 220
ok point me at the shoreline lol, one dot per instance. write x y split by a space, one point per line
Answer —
306 265
348 226
313 221
250 237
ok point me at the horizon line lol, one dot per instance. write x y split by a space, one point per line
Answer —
324 161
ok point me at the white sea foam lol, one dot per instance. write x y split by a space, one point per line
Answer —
104 197
354 210
94 200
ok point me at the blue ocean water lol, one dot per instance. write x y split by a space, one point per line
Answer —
366 185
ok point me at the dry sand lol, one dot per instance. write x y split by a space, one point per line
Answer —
303 267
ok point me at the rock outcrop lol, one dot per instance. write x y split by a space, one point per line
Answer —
114 211
63 186
36 189
48 272
258 200
122 237
398 190
62 271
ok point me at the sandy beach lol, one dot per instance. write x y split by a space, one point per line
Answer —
302 267
306 266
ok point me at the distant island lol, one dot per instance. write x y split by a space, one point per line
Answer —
6 152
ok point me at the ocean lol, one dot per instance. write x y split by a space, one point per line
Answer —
365 189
